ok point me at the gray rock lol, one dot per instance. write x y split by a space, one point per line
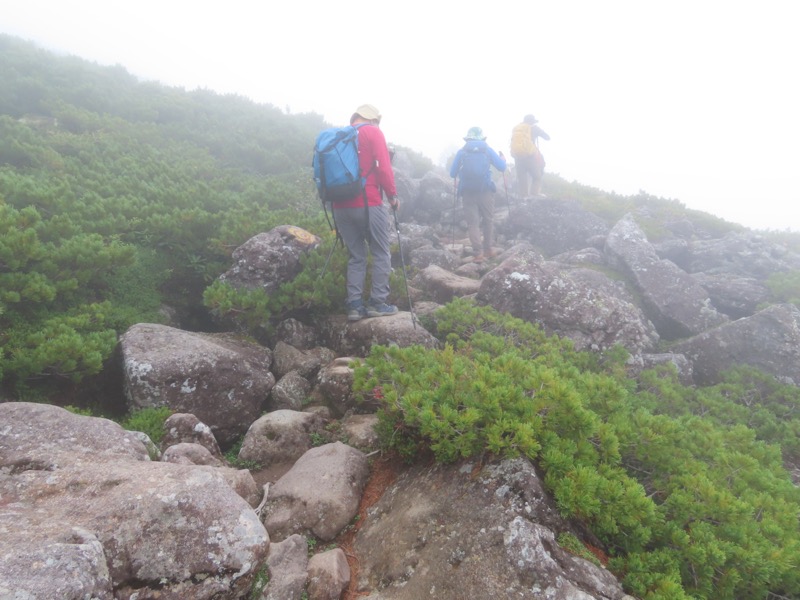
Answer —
189 453
328 575
639 362
360 431
41 437
732 295
441 285
552 225
675 303
280 436
85 514
286 358
425 256
334 386
319 495
220 378
270 259
357 338
468 531
290 392
295 333
581 304
288 569
746 254
186 428
769 340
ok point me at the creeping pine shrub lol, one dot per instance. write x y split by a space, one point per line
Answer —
683 486
467 402
310 291
785 287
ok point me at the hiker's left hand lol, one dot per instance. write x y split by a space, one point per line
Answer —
394 202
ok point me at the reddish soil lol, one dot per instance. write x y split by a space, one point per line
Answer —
383 472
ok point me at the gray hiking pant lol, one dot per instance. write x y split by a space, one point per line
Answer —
479 210
352 227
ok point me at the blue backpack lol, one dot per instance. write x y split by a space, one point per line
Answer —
336 170
474 170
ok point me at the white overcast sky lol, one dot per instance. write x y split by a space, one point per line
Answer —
695 100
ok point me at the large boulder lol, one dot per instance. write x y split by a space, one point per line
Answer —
270 259
746 254
733 295
41 437
280 436
769 341
581 304
472 531
357 338
85 514
434 197
552 225
675 303
221 379
442 286
319 495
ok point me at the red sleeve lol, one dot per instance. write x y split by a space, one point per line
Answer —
374 155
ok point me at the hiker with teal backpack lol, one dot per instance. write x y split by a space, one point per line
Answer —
472 167
355 193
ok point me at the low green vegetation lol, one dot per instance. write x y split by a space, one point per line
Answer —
316 289
260 581
231 456
149 421
785 287
572 544
685 487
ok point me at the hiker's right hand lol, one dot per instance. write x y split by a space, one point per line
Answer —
394 203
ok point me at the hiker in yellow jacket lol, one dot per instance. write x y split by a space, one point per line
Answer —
528 159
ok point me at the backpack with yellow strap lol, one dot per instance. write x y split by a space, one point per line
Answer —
521 141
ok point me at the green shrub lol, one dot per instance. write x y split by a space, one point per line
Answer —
572 544
785 287
149 421
310 291
676 482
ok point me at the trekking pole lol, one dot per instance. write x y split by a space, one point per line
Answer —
403 263
327 260
505 185
455 202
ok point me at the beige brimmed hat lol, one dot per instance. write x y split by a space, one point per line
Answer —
368 112
474 133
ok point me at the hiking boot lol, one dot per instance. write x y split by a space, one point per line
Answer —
492 253
479 258
356 311
380 309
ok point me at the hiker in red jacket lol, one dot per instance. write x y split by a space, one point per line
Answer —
367 227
